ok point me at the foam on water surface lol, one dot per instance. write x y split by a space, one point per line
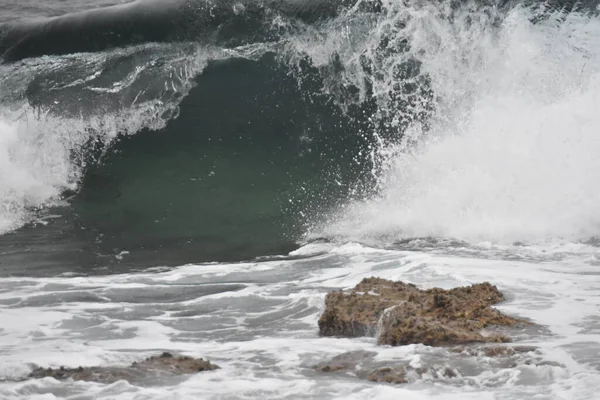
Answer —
509 156
46 133
258 321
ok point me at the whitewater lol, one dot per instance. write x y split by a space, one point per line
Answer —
497 179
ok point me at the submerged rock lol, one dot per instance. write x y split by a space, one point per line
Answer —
400 314
396 374
345 361
450 365
151 368
360 364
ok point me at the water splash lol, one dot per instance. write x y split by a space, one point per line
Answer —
58 113
511 152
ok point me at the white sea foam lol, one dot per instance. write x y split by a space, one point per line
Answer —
30 173
511 154
41 156
264 336
42 151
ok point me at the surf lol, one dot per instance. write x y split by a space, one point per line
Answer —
508 155
143 21
390 114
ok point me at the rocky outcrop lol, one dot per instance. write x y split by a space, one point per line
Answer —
149 369
399 314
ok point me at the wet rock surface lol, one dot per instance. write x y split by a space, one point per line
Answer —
146 371
449 365
400 314
345 361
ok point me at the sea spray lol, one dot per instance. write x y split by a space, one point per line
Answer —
511 152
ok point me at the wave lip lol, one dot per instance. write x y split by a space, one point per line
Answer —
143 21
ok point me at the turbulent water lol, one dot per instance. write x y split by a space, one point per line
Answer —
198 184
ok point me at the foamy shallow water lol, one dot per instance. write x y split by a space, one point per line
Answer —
258 321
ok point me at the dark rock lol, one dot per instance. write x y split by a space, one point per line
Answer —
395 374
451 365
361 364
400 314
345 361
164 365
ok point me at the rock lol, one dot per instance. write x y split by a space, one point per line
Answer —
345 361
360 364
499 351
395 374
444 365
399 314
177 364
149 369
